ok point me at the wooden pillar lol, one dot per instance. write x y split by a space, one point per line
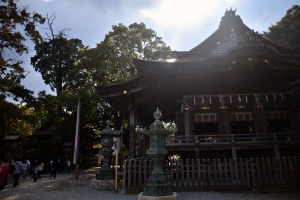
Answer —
118 120
298 115
233 152
131 131
197 153
276 151
293 116
260 119
121 147
233 148
180 123
223 119
145 144
187 117
138 137
139 144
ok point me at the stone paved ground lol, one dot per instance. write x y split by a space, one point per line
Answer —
66 187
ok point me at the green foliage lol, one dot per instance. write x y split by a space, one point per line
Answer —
44 108
55 58
109 62
15 119
123 44
37 148
66 63
286 32
14 21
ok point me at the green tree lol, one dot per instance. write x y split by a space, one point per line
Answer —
109 62
105 64
286 32
15 119
55 57
123 44
17 24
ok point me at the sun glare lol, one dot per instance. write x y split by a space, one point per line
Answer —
179 17
181 13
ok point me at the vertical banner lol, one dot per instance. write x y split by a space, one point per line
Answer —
77 135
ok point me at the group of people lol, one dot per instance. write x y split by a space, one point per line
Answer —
20 169
24 169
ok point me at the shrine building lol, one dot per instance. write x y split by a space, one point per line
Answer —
235 95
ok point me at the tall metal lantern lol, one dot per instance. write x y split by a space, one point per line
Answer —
157 183
107 172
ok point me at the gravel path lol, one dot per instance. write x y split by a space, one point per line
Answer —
66 187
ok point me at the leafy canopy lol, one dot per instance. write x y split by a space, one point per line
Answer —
109 62
286 32
17 24
56 57
15 119
122 44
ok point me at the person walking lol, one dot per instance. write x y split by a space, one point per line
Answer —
29 170
24 172
69 166
4 171
18 170
35 173
58 164
53 169
40 168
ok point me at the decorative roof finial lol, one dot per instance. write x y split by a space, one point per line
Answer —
107 123
230 12
157 114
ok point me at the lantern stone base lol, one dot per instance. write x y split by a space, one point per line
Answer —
105 175
170 197
103 184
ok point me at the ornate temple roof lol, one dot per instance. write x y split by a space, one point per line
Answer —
233 39
234 53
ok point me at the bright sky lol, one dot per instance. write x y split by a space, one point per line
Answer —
182 24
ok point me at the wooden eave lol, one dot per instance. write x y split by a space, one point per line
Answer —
46 130
119 95
122 88
257 51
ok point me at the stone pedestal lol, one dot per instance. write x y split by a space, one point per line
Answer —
157 186
170 197
106 172
103 184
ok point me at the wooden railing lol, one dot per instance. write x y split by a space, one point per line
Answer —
273 138
231 174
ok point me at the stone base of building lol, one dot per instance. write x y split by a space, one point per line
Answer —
103 184
170 197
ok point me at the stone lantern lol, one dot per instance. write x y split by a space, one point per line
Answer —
157 184
106 172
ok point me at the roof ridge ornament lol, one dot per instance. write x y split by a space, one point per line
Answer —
230 19
230 12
